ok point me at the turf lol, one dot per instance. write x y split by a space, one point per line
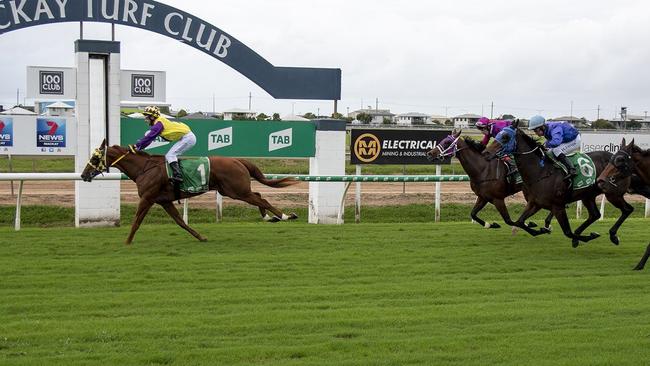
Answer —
299 294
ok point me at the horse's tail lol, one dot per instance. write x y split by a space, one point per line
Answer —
256 173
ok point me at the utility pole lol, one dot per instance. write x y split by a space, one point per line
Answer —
17 96
376 104
492 110
598 114
214 108
571 109
250 96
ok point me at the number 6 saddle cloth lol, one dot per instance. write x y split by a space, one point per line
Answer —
196 174
585 169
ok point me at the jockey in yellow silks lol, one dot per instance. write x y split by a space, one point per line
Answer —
171 131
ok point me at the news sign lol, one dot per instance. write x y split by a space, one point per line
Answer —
6 132
50 133
408 146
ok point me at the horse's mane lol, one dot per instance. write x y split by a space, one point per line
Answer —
473 144
529 139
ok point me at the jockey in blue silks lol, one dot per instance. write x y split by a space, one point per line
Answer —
506 138
562 139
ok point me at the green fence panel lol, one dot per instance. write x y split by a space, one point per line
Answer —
265 139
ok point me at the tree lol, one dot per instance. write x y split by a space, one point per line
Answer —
387 121
182 113
364 117
276 117
262 117
632 125
508 116
337 116
449 122
603 125
309 115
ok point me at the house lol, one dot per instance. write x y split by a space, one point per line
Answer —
203 115
412 118
59 109
631 122
239 114
438 120
378 115
577 122
465 120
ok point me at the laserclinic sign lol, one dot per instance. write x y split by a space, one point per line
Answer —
279 82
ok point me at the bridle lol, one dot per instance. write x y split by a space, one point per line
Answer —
624 168
102 166
451 150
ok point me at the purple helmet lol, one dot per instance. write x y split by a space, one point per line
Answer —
482 122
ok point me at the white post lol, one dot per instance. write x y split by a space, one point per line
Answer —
329 159
438 186
98 117
219 207
186 209
357 198
578 209
602 208
19 204
647 208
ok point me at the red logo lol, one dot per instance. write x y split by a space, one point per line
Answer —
53 127
2 126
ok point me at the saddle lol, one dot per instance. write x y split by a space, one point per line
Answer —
585 169
196 174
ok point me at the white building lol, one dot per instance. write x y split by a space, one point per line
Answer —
59 109
412 118
237 113
378 115
465 120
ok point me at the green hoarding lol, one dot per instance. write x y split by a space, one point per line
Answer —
266 139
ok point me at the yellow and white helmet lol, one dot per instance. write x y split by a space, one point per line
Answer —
152 111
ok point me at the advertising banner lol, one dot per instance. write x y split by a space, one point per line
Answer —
38 135
611 141
51 82
408 146
143 86
265 139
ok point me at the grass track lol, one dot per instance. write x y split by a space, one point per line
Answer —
298 294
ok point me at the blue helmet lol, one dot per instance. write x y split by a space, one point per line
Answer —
536 122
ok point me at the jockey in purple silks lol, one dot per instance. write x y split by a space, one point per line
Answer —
491 128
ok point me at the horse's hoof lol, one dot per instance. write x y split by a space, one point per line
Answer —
638 268
494 225
274 219
575 243
549 228
293 216
544 231
531 224
614 239
203 240
593 236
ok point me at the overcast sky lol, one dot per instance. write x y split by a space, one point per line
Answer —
436 57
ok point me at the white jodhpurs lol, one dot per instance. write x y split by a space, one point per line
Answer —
185 143
567 147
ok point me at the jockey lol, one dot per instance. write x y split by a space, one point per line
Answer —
491 128
561 138
506 138
171 131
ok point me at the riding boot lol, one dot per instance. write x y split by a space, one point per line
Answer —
568 164
177 176
512 167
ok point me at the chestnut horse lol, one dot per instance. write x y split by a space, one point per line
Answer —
486 178
548 189
629 161
229 176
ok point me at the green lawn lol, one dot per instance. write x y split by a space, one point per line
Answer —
299 294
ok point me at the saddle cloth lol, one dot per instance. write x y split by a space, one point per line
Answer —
196 174
585 169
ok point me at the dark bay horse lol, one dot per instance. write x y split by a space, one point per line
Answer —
229 176
548 189
630 161
487 178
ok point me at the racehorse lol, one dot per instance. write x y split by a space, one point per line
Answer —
487 178
229 176
547 188
629 161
